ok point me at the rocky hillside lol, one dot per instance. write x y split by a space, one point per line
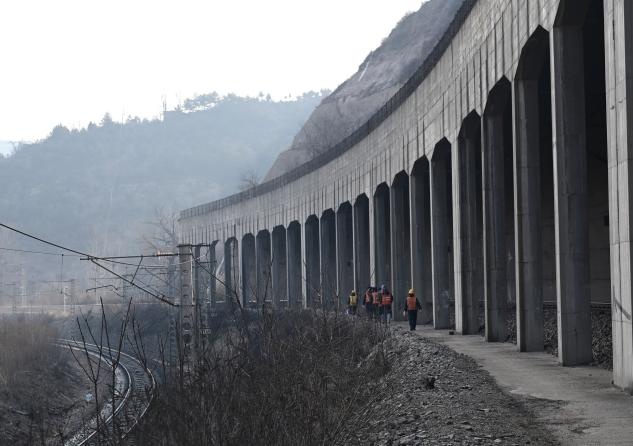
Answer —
378 78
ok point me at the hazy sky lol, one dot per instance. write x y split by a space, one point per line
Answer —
70 61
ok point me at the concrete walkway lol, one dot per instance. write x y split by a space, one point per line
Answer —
579 403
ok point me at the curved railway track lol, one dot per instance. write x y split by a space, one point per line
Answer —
134 390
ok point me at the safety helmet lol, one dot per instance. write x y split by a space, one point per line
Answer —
411 292
353 292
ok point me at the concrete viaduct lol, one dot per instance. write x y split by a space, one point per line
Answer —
498 178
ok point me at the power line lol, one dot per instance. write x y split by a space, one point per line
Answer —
37 252
44 241
93 259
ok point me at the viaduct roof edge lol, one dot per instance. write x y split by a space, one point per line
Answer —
358 135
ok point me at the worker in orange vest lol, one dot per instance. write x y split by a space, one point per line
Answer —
375 296
386 300
369 305
411 307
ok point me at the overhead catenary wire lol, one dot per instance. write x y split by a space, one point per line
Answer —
93 259
27 251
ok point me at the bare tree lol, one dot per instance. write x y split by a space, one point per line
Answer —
248 179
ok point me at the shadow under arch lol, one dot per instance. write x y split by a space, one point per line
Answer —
534 190
441 210
382 235
362 240
421 259
498 212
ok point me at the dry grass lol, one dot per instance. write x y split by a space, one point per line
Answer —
37 381
295 378
26 349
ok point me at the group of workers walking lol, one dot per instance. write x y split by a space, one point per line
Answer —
378 303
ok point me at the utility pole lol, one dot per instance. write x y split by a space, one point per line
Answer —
187 306
72 296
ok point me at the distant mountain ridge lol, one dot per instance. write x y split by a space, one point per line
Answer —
378 78
94 189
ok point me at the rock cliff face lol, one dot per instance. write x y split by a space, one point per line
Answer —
378 78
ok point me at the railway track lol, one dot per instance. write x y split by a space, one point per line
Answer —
134 390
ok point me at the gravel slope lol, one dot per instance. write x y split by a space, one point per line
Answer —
434 396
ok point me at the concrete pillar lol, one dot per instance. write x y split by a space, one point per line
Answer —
528 234
468 232
213 263
400 242
421 269
619 78
345 252
279 267
312 263
328 259
382 236
249 271
232 273
295 266
494 145
362 265
440 178
570 196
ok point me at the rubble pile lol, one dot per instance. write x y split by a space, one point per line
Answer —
435 396
601 334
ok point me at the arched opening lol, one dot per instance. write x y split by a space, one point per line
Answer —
362 267
345 251
498 212
328 259
295 282
312 261
534 192
400 240
232 272
382 236
581 176
421 270
249 271
441 234
264 262
469 291
279 270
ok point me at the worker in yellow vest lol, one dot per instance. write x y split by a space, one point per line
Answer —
411 307
352 304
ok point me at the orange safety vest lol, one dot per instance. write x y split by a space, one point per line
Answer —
387 298
376 297
411 303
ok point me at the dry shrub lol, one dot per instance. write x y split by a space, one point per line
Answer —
26 349
295 378
33 375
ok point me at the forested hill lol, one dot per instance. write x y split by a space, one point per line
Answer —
94 188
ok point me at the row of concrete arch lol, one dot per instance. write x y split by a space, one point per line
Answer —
512 215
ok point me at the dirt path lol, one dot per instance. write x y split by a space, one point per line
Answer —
434 396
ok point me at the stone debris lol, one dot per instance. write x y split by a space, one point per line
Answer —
600 327
435 396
